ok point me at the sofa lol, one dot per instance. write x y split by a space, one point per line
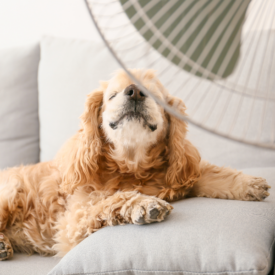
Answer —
42 93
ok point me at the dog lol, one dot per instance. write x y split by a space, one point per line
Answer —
127 162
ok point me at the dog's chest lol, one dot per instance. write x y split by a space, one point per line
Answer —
148 182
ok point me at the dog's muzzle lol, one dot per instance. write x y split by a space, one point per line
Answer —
134 108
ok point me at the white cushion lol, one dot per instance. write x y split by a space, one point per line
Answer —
19 125
201 236
224 152
68 71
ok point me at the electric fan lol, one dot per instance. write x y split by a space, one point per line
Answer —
216 55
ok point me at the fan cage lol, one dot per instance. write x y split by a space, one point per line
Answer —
230 107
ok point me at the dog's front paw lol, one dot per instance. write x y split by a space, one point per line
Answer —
6 250
257 189
149 209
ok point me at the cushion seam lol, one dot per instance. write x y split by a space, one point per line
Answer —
166 271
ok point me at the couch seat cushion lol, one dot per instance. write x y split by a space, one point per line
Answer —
201 236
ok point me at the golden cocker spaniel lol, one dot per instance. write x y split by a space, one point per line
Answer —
127 161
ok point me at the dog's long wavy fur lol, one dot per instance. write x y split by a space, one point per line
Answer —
51 206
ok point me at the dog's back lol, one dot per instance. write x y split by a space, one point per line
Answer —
29 202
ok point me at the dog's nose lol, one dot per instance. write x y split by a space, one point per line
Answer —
134 93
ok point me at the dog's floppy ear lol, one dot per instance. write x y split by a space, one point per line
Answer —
184 159
80 156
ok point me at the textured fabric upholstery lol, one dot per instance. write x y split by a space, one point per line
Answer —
201 236
22 264
68 71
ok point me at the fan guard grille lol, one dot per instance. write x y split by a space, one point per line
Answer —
223 74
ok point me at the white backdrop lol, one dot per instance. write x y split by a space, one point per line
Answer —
25 21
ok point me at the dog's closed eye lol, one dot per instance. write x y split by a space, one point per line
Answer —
112 96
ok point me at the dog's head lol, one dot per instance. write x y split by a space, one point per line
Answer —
121 115
132 121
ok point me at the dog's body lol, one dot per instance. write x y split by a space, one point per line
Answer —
128 160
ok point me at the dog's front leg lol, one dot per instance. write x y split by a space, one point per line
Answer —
227 183
87 214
